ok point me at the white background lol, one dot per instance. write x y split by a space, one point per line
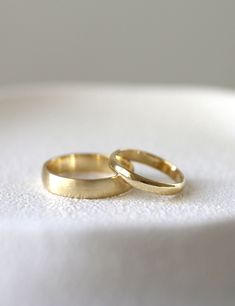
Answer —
131 250
182 41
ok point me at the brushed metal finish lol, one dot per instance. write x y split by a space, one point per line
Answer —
58 176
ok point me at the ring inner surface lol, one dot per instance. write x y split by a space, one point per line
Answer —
73 164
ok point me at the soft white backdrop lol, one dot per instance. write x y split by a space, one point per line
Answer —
131 250
181 41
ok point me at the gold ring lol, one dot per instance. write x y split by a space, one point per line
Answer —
58 176
141 182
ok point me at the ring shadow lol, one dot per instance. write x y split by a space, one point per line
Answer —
191 190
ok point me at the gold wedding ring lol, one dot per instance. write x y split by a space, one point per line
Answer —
140 182
58 176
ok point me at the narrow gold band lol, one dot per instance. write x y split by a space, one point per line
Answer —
141 182
58 176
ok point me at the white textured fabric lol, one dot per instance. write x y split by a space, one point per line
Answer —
136 249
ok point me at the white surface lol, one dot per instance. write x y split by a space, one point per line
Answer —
130 250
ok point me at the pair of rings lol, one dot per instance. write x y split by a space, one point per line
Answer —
58 175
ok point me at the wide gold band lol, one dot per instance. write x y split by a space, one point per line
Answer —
141 182
58 176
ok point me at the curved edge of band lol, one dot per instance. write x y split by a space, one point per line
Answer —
84 188
142 183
